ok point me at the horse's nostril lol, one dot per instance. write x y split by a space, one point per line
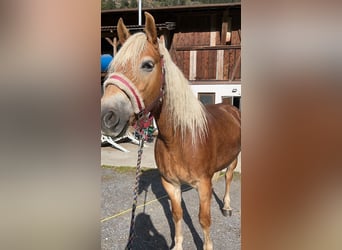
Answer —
110 120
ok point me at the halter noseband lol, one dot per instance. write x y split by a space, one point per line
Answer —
144 117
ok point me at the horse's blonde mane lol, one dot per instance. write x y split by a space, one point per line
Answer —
185 111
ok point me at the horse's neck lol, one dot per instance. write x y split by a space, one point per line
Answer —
166 131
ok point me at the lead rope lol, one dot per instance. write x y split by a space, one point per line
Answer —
144 119
135 193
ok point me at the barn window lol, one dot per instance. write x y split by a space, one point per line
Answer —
234 100
207 98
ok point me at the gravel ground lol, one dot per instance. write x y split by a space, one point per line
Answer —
154 226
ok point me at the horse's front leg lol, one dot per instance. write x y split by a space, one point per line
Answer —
174 192
227 210
205 192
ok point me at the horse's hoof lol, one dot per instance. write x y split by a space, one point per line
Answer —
227 212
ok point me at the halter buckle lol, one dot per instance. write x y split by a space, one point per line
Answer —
143 120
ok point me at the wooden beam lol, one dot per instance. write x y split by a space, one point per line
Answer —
109 41
115 46
217 47
212 30
226 26
237 62
214 82
219 65
114 43
235 67
193 65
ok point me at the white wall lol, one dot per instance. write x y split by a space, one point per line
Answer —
220 90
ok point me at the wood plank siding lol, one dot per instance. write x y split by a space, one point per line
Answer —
208 60
205 42
208 46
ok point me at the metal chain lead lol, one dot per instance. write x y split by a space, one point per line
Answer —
135 194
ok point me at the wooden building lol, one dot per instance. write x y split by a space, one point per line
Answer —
204 41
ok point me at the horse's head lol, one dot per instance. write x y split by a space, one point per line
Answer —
134 80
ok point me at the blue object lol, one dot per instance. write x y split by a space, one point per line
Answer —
105 61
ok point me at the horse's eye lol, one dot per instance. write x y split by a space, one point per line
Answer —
147 66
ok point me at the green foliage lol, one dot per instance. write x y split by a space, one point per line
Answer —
113 4
133 4
107 4
124 4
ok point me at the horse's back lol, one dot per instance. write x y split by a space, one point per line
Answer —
225 112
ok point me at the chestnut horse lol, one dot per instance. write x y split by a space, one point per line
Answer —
194 141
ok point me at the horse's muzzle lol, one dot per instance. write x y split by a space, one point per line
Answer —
110 120
116 113
113 123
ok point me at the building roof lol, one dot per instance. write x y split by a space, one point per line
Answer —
163 13
181 8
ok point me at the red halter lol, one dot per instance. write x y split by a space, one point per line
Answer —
144 116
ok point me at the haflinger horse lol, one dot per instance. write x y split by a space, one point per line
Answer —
194 141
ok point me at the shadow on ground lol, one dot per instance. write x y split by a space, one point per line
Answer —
147 237
154 228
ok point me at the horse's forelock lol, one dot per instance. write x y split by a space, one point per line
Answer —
129 52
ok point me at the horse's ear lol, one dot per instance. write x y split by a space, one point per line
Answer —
162 40
123 32
150 29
